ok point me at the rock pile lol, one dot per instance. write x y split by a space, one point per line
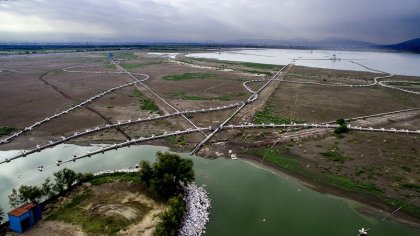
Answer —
130 169
198 211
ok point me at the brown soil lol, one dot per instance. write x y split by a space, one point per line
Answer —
117 199
32 87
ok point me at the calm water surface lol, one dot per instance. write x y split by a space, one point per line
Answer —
395 63
246 200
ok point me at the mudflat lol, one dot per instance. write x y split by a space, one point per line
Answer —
379 168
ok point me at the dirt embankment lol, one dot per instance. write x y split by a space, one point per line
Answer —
118 203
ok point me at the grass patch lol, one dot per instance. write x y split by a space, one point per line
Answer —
261 66
145 103
148 105
110 66
258 72
225 63
190 76
287 163
109 178
91 222
131 65
184 96
408 169
5 130
409 209
275 157
171 139
138 65
414 187
335 156
347 184
136 93
267 116
176 140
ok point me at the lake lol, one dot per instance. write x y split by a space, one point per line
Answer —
394 63
246 200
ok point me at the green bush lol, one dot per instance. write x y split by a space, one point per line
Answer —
190 76
1 214
267 116
167 175
5 130
64 179
335 156
148 105
342 128
172 218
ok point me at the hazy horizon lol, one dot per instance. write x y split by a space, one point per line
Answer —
375 21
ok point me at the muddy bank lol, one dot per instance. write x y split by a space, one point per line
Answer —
374 207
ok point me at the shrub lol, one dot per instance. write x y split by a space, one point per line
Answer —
172 218
167 175
1 214
342 128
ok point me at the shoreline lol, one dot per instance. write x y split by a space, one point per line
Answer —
370 206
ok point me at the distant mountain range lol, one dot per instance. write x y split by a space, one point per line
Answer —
412 45
331 43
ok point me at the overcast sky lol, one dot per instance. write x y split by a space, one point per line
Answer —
379 21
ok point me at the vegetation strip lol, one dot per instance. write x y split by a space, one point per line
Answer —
190 76
274 156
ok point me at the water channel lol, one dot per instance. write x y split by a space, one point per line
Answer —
390 62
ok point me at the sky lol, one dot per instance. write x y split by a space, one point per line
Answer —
377 21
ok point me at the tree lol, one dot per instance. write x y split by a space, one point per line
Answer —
24 194
168 174
172 218
341 121
30 193
342 126
171 173
14 199
1 214
46 188
64 179
146 172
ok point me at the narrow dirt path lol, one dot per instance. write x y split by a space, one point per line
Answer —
55 88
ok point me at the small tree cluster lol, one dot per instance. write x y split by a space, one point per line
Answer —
1 215
342 127
167 175
172 218
64 179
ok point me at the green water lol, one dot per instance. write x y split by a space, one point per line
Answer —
246 200
243 196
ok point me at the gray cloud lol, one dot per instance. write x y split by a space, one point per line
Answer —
382 21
